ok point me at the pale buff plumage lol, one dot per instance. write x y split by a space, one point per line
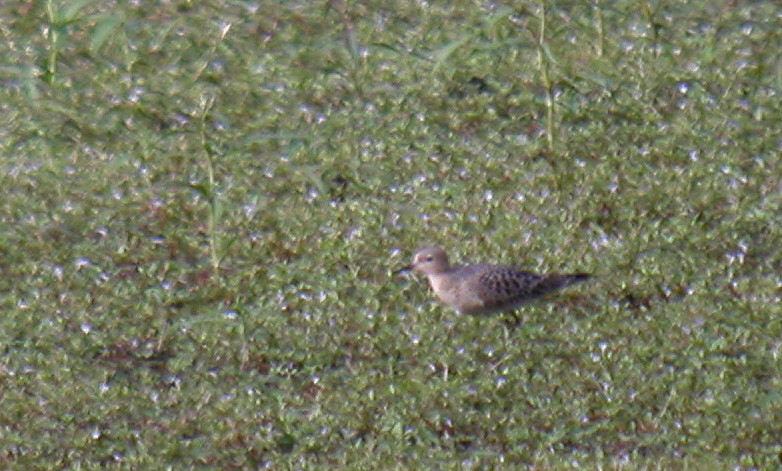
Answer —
485 289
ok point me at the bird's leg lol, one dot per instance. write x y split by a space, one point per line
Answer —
512 320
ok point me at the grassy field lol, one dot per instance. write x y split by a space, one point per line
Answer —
204 204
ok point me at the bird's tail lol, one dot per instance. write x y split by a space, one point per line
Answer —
577 277
561 281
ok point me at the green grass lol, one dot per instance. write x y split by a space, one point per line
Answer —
204 204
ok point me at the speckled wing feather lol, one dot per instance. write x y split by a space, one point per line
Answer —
503 288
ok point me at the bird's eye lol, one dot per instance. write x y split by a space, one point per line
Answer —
428 258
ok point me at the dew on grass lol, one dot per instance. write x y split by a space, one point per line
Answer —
683 87
737 181
268 172
96 433
102 232
230 315
81 263
86 328
737 255
172 381
103 388
249 209
367 141
181 120
606 388
165 285
708 398
741 64
135 94
623 459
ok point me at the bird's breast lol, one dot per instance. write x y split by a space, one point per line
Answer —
442 284
456 292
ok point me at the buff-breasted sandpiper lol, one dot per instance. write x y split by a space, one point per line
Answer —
485 289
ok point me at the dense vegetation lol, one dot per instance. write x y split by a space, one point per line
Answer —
204 204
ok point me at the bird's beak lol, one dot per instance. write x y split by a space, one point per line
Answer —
404 269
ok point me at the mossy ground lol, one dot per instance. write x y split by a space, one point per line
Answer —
204 204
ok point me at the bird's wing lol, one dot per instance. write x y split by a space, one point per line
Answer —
501 286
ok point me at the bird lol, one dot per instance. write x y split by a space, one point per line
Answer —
485 289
